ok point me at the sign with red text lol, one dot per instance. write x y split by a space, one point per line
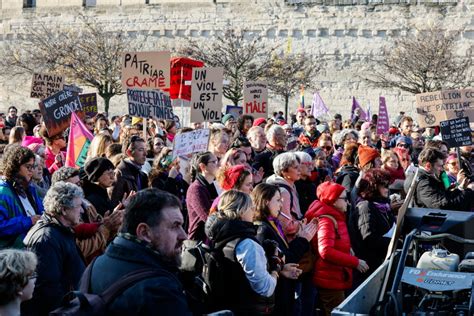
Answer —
182 71
45 85
256 99
383 120
434 107
146 70
206 94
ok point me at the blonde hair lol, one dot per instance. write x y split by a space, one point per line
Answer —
233 204
99 145
387 154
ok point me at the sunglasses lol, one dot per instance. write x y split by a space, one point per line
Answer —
327 148
403 145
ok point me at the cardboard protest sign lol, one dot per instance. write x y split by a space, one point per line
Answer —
456 132
182 71
146 70
44 85
256 98
235 110
146 103
206 94
89 103
434 107
383 120
72 88
78 143
57 109
191 142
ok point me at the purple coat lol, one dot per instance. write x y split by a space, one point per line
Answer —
198 201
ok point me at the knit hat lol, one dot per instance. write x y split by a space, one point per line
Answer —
95 167
393 131
322 128
227 117
404 139
328 192
451 157
259 121
232 174
366 155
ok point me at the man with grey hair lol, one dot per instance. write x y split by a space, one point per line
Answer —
60 264
277 140
257 139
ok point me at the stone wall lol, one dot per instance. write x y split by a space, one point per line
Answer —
345 36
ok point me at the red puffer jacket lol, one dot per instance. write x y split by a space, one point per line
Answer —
334 264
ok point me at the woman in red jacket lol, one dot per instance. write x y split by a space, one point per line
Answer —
333 267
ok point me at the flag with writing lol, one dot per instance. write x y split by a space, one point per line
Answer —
318 107
78 143
355 106
382 121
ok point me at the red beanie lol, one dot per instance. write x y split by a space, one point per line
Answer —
232 174
367 154
259 121
328 192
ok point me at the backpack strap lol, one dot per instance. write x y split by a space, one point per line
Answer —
229 249
336 226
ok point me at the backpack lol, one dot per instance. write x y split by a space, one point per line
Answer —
82 303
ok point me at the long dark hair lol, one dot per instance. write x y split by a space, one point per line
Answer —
262 194
197 159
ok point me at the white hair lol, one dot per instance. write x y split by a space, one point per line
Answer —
304 156
273 130
284 161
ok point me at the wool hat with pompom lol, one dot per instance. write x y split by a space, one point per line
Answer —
328 192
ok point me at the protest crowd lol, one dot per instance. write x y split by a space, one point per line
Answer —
296 212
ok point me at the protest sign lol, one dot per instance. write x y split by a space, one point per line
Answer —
383 120
182 71
78 143
146 70
89 103
191 142
57 109
44 85
256 98
72 88
206 94
456 132
146 103
434 107
235 110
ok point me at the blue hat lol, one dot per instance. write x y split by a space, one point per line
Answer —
227 117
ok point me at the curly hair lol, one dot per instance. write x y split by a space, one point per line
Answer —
15 156
60 196
371 181
160 165
64 173
261 195
16 266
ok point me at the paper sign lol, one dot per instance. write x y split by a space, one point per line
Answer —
456 132
182 72
256 98
434 107
57 109
206 94
44 85
146 70
383 120
89 103
191 142
235 110
146 103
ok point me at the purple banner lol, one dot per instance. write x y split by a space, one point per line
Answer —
382 122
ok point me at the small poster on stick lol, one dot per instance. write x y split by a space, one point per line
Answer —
206 94
45 85
89 103
256 98
146 103
146 70
456 132
191 142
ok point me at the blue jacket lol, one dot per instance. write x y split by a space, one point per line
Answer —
14 223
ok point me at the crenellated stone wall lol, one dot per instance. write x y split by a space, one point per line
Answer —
344 35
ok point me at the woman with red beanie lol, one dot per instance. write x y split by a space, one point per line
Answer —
333 267
369 157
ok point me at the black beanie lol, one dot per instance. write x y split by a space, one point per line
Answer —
95 167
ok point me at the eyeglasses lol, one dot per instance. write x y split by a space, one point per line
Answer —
32 276
453 163
327 148
212 161
403 145
29 166
343 198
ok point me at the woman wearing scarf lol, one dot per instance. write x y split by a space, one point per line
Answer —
371 223
391 164
20 205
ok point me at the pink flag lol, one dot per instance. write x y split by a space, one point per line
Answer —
78 143
356 105
317 106
382 122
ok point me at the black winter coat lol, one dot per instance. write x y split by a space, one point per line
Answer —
347 177
265 160
60 265
160 295
98 197
129 176
306 193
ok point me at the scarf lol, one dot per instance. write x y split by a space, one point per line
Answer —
276 224
211 188
395 174
382 206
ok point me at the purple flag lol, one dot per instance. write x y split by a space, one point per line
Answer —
317 106
382 122
356 105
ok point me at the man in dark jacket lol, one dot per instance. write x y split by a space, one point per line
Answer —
277 140
430 191
151 238
128 173
60 263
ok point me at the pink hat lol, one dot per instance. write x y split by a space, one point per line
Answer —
31 140
259 121
35 147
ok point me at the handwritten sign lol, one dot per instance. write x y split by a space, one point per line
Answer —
191 142
182 71
57 109
44 85
383 120
256 98
206 94
146 103
72 88
456 132
434 107
146 70
89 103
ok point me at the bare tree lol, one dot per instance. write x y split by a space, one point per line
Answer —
421 63
241 59
289 72
88 54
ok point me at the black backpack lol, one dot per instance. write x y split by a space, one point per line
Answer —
82 303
